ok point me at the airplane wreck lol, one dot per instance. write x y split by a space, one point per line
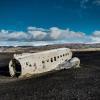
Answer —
26 64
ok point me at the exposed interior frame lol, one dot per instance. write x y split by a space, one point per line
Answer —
15 68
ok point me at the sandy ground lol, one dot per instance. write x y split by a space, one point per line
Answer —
72 84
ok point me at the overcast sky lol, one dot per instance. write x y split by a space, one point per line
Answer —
50 20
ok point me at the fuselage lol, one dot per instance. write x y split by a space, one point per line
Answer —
36 63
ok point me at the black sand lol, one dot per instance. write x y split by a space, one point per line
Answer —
71 84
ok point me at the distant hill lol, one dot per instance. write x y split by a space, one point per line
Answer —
20 49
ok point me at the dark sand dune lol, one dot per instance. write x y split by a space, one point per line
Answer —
71 84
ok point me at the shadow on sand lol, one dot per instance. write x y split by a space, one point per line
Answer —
4 71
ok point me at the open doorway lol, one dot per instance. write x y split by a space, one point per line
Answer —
15 68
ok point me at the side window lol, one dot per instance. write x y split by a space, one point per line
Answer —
43 62
30 65
48 60
51 59
54 58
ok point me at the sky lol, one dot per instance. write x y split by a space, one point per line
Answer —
27 22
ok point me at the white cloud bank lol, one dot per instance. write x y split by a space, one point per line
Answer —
40 36
95 37
96 34
34 33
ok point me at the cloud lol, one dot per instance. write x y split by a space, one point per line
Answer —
6 35
56 33
3 34
36 33
17 36
96 34
40 36
96 2
95 37
83 3
35 29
